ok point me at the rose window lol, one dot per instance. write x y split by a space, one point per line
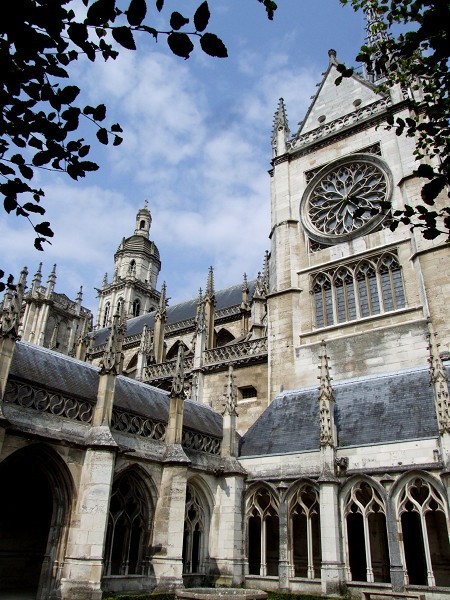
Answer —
346 198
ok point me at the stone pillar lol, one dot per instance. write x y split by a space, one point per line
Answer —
227 560
160 322
167 559
332 572
167 551
283 517
199 348
230 440
83 563
396 565
210 303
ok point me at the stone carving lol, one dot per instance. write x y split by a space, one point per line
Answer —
326 401
137 425
12 304
358 115
343 190
192 440
43 400
230 394
439 381
239 351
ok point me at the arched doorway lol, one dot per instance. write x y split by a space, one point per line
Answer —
34 505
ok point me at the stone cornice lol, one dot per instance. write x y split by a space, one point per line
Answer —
324 135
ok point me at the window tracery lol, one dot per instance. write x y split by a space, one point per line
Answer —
262 532
194 543
304 530
346 198
127 525
106 315
367 554
358 290
424 534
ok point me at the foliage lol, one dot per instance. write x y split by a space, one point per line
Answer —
419 60
39 114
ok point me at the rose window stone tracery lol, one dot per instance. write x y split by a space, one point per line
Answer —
346 198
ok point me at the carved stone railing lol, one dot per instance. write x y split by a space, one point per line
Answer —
358 115
35 398
23 394
236 352
186 324
165 369
126 422
193 440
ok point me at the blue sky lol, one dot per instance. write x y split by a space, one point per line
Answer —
196 146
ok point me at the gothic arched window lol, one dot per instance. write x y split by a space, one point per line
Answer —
136 307
369 302
353 291
120 306
367 553
424 534
128 525
391 282
323 296
132 268
262 533
304 530
194 542
345 295
106 315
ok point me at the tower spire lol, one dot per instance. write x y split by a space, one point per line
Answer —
376 35
280 130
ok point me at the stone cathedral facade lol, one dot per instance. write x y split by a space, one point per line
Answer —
290 432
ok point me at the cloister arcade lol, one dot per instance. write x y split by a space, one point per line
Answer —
409 523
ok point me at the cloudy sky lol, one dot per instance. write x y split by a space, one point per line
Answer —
196 146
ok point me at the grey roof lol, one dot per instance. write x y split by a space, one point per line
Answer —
368 410
226 298
66 375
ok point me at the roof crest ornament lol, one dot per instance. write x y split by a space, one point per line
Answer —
161 310
439 381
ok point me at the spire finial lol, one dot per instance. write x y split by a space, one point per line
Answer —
210 284
110 362
439 381
178 379
280 130
326 399
230 394
12 305
376 34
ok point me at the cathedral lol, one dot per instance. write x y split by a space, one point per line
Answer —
291 432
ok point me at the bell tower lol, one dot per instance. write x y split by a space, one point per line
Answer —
132 290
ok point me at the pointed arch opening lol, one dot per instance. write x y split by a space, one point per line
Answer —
224 337
367 552
172 353
34 514
424 533
263 539
196 532
304 532
129 522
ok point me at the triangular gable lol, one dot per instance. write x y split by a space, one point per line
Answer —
333 101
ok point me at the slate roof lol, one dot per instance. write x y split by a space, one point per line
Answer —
226 298
368 410
66 375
